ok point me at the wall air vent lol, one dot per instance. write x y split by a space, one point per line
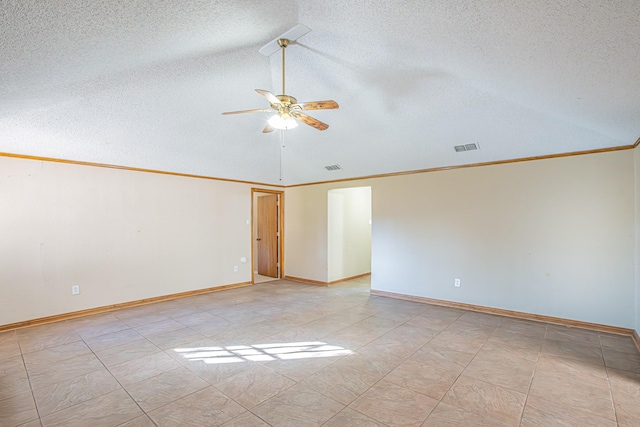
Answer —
466 147
335 167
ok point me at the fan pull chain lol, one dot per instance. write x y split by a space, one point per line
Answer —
281 149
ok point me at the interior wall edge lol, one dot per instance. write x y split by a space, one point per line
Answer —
118 306
514 314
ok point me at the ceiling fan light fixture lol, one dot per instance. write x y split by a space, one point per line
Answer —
284 122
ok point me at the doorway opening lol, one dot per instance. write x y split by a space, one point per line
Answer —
348 234
267 235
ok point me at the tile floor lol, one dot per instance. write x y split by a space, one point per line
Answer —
286 354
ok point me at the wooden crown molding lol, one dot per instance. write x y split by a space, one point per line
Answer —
474 165
384 175
129 168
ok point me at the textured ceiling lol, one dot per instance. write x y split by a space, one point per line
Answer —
143 83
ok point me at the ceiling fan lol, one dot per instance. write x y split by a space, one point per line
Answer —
286 108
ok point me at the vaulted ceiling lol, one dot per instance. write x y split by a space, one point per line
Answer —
143 83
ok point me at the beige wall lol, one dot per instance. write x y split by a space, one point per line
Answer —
636 154
120 235
348 233
552 237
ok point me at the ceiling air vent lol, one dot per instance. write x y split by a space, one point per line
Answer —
466 147
335 167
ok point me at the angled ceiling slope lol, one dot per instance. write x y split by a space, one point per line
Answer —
143 85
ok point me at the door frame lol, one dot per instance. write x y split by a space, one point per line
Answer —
280 229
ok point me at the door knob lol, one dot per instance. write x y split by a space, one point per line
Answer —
258 239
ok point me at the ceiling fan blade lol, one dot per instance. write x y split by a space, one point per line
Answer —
270 97
262 110
268 128
308 120
319 105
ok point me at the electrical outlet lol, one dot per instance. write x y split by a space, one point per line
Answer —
235 268
75 290
456 283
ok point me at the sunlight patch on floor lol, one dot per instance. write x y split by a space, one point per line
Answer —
262 352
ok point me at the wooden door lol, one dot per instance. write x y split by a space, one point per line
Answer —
268 235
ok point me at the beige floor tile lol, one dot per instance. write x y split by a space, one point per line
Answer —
142 368
143 421
426 379
17 410
118 354
627 409
394 405
247 419
112 409
165 388
34 423
254 386
111 339
34 342
572 371
346 379
521 346
195 319
92 320
101 328
67 393
11 366
595 400
443 357
624 381
371 362
564 333
140 318
42 376
161 327
402 341
445 415
403 345
573 349
207 407
353 338
173 339
502 369
487 400
210 359
544 413
618 343
39 360
432 322
352 418
484 319
8 337
9 349
297 406
55 328
300 369
622 361
522 327
13 385
458 342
